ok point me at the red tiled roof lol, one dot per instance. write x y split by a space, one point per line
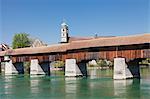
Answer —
111 41
72 39
35 50
98 42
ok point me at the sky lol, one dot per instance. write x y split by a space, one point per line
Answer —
42 18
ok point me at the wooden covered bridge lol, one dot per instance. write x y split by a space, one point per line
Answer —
129 47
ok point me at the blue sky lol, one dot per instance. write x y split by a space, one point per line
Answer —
42 18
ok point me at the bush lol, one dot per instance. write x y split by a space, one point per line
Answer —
104 63
58 64
27 67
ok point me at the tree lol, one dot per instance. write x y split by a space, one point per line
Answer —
21 40
58 64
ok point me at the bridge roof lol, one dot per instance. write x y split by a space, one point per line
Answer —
111 41
97 42
72 39
35 50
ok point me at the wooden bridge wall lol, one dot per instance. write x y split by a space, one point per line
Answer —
129 52
79 56
110 55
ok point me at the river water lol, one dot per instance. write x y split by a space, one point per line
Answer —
99 85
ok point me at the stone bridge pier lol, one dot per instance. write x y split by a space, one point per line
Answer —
36 67
39 68
74 69
12 68
124 70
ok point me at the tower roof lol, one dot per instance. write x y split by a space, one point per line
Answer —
64 24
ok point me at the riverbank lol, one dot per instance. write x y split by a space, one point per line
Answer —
98 67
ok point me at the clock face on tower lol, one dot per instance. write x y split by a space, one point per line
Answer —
64 39
63 34
63 30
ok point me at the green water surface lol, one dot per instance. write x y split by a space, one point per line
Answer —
99 85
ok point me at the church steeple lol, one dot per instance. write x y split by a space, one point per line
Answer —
64 33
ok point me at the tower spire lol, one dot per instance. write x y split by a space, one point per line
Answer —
64 32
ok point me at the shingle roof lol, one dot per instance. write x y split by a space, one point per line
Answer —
111 41
35 50
72 39
98 42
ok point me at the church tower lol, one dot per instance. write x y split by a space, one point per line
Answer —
64 33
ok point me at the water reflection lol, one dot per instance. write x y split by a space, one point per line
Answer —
98 73
13 86
7 85
145 73
129 88
70 87
36 85
92 73
120 86
59 87
77 88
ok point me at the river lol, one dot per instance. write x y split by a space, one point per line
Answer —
99 85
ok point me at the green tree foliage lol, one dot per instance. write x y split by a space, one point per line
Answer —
145 62
58 64
104 63
20 40
27 67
